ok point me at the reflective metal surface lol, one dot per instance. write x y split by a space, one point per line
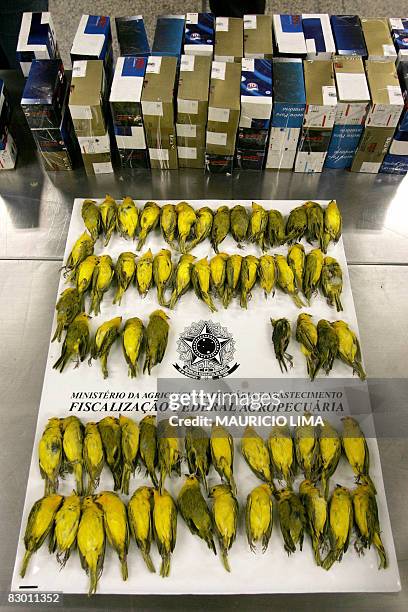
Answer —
34 218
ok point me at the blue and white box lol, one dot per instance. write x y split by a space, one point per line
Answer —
318 36
399 31
348 35
353 94
132 37
343 146
93 40
288 35
199 34
256 93
169 36
5 113
396 160
36 40
289 103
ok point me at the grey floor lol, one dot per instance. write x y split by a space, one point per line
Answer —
67 13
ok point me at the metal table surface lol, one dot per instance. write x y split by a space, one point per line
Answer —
35 211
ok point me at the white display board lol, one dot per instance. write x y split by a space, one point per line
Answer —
194 568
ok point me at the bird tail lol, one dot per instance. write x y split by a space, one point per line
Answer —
58 332
358 369
173 299
244 300
231 483
203 479
227 297
118 295
24 565
330 559
297 300
210 543
147 364
316 551
153 476
339 305
93 581
208 300
381 551
366 478
148 561
224 559
124 568
165 566
62 361
78 473
163 475
125 479
141 241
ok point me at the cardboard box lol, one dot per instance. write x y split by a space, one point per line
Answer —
394 164
250 160
93 41
163 154
193 93
288 35
318 36
223 108
97 163
256 93
130 137
132 37
289 103
92 145
36 40
283 143
169 36
191 156
348 35
199 34
87 101
8 153
378 39
134 158
126 91
44 94
312 151
219 164
258 41
371 151
386 96
229 39
321 95
399 32
343 146
353 95
5 113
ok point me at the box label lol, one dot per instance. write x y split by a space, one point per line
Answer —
221 24
102 167
217 138
187 152
229 59
218 114
351 114
79 68
153 65
218 70
329 95
192 18
186 130
80 112
249 22
319 116
152 108
187 63
159 154
189 107
370 167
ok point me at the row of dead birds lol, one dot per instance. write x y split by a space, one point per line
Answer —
85 522
136 340
321 344
183 227
224 276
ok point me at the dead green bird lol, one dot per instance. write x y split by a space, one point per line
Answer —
200 278
256 454
50 455
125 272
198 453
282 452
296 224
267 274
315 223
296 260
84 275
247 279
330 453
182 278
168 223
76 343
232 278
105 336
127 218
149 218
276 228
239 224
306 335
327 346
332 282
141 522
258 224
111 436
162 274
259 516
72 444
222 454
292 519
366 522
168 451
316 516
225 514
82 248
101 281
64 532
307 451
92 218
148 446
220 227
108 210
218 269
280 338
286 279
130 447
195 512
67 308
157 333
144 273
202 227
313 272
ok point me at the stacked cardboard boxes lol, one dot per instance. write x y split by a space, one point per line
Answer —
382 118
258 42
320 114
126 106
192 110
93 41
318 36
396 160
36 40
289 102
159 111
169 36
88 106
8 150
199 34
223 116
256 110
132 37
44 103
229 39
348 35
378 39
399 31
353 100
289 38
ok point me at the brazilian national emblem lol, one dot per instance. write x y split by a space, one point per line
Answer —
206 351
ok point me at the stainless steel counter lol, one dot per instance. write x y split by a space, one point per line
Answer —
34 217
